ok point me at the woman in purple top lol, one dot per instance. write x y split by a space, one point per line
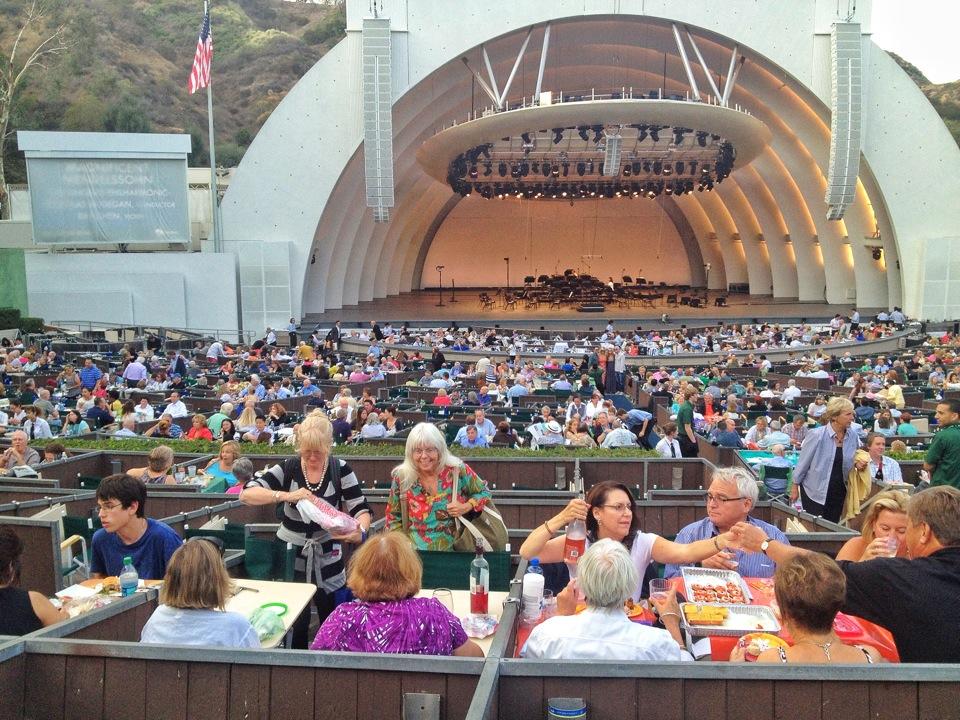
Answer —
387 617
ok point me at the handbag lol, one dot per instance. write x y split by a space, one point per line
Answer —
487 529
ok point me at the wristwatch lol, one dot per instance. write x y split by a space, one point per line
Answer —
764 545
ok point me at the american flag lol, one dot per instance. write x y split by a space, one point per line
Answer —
200 73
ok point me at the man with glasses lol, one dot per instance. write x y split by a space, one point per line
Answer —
732 494
127 532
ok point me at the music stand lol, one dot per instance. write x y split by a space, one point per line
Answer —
440 271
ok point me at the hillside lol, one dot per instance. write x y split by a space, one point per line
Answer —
129 62
128 65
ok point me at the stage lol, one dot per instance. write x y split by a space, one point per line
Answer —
421 307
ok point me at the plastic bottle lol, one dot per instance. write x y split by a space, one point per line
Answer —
479 584
129 579
532 591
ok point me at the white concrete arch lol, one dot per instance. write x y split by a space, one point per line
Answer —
783 269
707 238
292 187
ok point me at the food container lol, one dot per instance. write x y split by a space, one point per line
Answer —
713 578
740 620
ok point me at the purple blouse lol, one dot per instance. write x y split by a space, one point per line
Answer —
419 626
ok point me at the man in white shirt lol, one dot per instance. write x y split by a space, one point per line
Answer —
215 351
792 392
669 446
607 576
175 407
35 426
576 407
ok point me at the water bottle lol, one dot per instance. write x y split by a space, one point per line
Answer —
128 578
532 591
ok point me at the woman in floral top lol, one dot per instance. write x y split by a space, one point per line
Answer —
424 481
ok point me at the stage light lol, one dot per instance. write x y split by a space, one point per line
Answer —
473 171
536 167
877 253
485 150
566 168
642 133
582 131
501 168
524 168
555 170
655 133
657 167
557 136
488 168
667 168
546 169
626 170
702 138
646 166
678 133
526 138
679 167
590 167
581 168
693 167
597 134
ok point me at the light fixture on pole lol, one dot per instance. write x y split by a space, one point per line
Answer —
440 271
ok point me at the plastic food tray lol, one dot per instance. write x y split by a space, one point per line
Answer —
742 620
711 576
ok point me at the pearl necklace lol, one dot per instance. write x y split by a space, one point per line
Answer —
306 478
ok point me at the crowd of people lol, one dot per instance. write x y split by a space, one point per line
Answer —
908 542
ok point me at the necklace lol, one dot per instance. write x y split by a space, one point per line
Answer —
823 646
306 478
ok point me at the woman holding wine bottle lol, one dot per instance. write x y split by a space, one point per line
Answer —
609 511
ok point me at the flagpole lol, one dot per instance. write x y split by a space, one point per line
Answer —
214 194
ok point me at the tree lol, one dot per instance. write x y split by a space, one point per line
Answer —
33 45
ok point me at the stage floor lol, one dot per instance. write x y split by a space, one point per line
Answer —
421 307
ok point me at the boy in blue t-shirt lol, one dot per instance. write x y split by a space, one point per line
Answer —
127 532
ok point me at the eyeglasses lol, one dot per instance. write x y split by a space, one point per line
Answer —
721 498
620 508
106 508
426 451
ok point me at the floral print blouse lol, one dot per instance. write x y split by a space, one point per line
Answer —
430 527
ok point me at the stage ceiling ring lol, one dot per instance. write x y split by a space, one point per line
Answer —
748 135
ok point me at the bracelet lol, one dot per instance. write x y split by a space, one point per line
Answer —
716 544
668 614
548 528
276 496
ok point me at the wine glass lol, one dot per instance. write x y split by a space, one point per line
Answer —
445 596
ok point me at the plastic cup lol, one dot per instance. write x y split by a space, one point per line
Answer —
180 476
893 545
549 604
659 589
192 471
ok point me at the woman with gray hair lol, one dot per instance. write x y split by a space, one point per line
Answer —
607 577
422 500
826 457
243 472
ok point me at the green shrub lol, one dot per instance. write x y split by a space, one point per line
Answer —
202 447
9 318
31 325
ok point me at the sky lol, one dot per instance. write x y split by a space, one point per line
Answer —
923 32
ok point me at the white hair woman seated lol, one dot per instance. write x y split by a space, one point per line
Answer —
607 577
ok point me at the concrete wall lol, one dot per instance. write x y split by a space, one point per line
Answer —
184 290
621 237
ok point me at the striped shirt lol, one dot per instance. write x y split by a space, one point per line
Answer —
89 376
328 567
